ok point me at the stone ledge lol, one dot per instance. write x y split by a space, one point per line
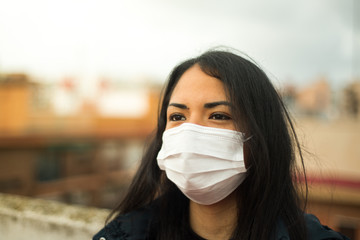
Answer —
41 219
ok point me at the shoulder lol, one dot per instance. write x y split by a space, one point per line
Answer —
132 225
317 231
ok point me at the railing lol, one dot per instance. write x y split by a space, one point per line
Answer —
29 218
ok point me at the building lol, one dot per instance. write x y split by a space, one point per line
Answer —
329 129
84 156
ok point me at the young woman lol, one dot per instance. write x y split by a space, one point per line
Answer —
221 164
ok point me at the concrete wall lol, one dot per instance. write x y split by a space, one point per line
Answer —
28 218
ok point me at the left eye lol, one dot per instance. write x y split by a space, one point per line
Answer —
219 116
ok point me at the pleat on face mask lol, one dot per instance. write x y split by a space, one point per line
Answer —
206 164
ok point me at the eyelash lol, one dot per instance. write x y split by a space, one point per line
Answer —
177 115
221 115
214 116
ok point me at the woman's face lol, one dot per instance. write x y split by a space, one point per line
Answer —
199 99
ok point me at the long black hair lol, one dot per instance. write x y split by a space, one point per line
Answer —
268 194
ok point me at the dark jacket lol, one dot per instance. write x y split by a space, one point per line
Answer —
135 226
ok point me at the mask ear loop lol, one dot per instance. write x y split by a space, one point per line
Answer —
248 138
243 139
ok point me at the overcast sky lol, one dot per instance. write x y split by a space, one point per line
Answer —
293 40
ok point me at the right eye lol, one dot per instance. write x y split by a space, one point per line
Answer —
177 117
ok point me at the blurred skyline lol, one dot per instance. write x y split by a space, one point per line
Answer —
295 41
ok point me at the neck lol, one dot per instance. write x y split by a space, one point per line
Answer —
216 221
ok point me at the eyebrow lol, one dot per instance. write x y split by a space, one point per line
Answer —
215 104
178 105
206 105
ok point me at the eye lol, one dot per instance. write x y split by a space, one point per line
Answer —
177 117
219 116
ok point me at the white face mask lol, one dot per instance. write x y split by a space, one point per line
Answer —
206 164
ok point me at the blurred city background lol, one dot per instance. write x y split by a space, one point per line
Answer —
80 84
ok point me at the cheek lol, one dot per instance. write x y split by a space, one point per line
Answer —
167 126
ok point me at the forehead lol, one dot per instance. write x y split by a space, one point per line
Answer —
194 84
